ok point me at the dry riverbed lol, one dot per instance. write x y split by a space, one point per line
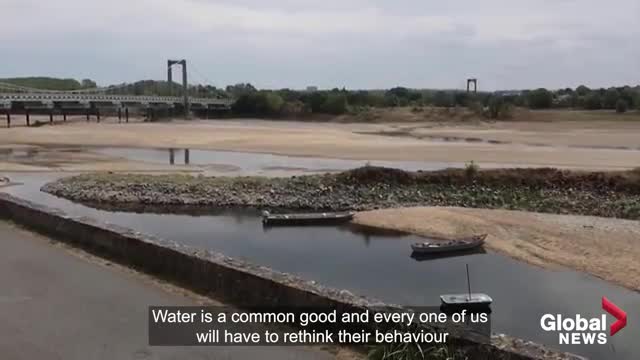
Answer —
604 247
587 141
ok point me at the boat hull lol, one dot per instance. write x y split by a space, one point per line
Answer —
307 219
447 247
465 301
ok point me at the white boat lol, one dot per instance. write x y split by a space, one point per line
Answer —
434 247
465 300
470 301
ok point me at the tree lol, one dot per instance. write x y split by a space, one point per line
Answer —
583 90
400 92
610 99
442 99
259 103
629 95
316 101
335 104
88 84
241 89
593 101
540 99
461 98
621 106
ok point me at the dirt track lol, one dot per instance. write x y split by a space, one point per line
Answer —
604 247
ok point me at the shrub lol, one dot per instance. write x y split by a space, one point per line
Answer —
593 101
471 169
259 103
610 99
621 106
540 99
335 104
499 108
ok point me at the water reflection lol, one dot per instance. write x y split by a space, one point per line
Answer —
429 257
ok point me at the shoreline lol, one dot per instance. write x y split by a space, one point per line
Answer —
605 248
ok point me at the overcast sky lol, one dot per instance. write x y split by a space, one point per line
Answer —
506 44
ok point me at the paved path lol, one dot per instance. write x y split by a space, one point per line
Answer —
60 303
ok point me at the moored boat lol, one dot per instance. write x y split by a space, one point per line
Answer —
435 247
469 301
327 218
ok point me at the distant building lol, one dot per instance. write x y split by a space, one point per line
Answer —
508 93
312 88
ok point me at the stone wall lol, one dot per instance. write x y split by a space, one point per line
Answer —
229 280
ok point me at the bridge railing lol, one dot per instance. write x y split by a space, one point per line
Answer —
117 98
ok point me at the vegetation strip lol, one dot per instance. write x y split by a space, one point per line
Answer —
606 194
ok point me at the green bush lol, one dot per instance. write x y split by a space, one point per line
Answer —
335 104
610 99
621 106
593 101
540 99
259 103
499 108
471 169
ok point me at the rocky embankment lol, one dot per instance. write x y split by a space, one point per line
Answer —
613 194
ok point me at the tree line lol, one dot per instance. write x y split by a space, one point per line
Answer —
283 102
252 101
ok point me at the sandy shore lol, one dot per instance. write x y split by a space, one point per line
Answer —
367 141
604 247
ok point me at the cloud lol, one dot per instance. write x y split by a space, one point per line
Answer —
358 44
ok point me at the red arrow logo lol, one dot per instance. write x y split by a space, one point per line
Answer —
617 313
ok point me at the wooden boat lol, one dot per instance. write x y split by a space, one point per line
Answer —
329 218
434 247
469 301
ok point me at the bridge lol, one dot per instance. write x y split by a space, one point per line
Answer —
28 101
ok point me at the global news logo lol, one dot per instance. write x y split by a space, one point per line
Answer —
580 330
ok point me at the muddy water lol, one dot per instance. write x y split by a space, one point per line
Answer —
380 266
